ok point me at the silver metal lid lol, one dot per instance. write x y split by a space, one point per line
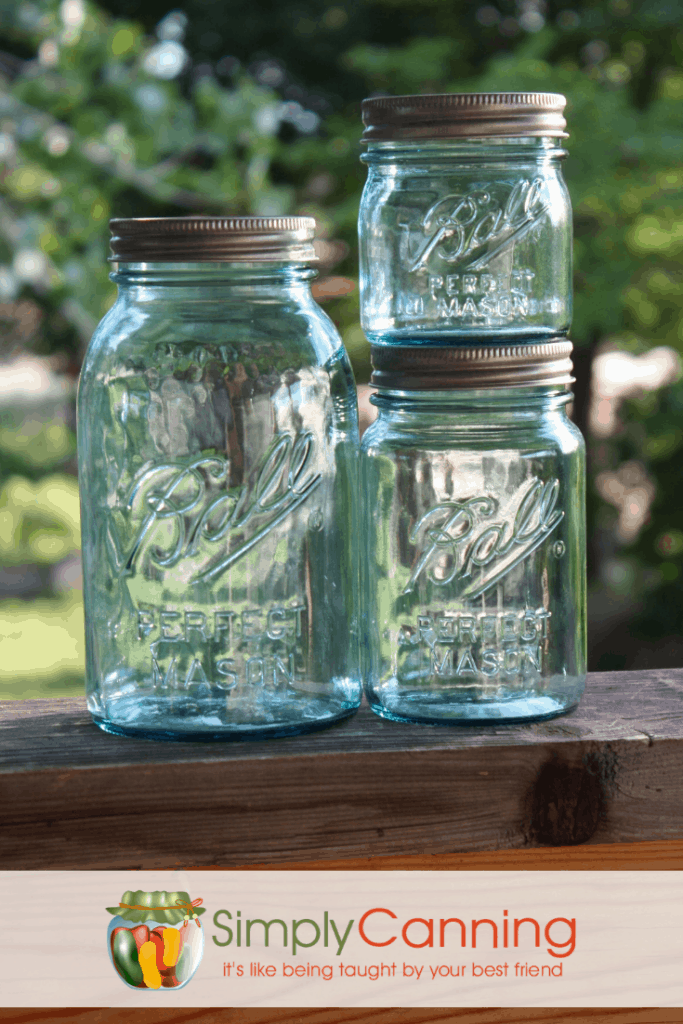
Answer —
463 115
214 239
448 367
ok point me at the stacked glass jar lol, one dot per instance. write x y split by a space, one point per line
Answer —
473 473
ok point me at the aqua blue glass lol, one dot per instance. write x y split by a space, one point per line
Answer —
465 238
474 555
218 456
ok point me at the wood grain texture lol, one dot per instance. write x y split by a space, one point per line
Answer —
665 855
394 1015
610 772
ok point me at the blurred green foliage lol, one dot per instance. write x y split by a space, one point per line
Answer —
43 648
260 114
39 522
37 446
652 436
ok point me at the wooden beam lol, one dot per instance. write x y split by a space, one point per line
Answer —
610 772
663 855
352 1015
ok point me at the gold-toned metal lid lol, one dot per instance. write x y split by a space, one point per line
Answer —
463 115
213 239
448 367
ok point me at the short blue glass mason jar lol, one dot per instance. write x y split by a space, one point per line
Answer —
465 224
474 564
218 457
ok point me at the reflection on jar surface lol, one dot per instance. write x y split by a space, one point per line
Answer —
218 459
475 556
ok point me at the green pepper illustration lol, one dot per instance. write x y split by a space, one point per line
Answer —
125 953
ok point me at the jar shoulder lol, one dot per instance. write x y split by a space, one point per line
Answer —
555 434
294 327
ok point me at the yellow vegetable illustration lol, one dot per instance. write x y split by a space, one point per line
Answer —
171 946
148 962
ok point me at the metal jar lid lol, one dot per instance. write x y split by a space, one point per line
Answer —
463 115
213 239
449 367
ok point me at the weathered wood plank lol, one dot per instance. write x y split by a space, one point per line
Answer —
664 855
611 772
353 1015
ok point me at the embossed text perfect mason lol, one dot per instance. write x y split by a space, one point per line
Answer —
465 220
218 461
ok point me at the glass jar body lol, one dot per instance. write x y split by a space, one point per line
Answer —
465 238
163 964
474 587
218 454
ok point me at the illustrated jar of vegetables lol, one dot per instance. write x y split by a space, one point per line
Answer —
155 939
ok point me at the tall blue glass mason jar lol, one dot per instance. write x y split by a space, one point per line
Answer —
465 222
474 535
218 450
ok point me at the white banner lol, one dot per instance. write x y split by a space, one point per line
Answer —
342 938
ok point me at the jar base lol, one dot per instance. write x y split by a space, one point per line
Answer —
416 709
151 718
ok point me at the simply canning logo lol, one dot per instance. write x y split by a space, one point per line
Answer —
156 939
380 927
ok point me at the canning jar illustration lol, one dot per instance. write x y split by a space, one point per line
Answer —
155 939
